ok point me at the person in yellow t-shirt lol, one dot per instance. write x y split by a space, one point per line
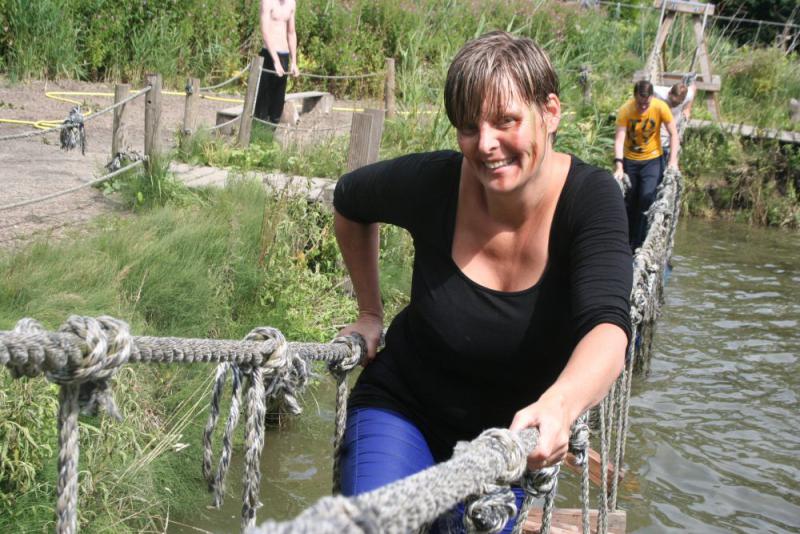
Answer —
637 153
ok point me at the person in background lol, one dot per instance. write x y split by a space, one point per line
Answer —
638 153
280 55
679 98
519 308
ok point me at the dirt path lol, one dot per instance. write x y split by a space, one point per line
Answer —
34 167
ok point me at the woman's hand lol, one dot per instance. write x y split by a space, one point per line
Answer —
549 415
370 327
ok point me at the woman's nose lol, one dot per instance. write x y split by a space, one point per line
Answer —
487 138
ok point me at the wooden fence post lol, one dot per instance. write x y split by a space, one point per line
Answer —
152 119
360 135
585 79
375 134
121 92
190 108
388 89
246 121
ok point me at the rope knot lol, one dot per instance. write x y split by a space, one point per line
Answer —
73 133
490 512
34 357
542 481
287 371
358 349
579 441
108 346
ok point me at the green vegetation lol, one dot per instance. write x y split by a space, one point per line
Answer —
216 266
218 263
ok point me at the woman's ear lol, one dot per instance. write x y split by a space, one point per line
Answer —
551 112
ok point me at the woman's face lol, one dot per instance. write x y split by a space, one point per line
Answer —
505 149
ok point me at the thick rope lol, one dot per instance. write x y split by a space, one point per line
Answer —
339 370
73 189
496 457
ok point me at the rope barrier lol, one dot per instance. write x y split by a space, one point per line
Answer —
73 189
85 353
332 76
496 457
298 129
86 119
228 81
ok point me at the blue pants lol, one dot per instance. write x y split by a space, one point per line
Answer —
381 446
645 177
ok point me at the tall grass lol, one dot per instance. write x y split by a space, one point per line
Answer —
239 259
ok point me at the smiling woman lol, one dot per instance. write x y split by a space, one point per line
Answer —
519 309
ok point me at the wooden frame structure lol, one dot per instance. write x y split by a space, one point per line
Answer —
706 81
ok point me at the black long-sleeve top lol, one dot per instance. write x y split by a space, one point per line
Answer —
461 357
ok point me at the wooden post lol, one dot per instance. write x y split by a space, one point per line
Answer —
376 132
388 89
152 118
190 107
705 67
246 121
585 79
360 136
121 92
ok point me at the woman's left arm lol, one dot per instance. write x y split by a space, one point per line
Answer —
593 366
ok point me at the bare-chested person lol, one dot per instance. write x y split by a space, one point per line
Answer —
280 55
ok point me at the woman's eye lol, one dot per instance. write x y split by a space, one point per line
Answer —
469 129
507 121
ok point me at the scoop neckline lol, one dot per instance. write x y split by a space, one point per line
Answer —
545 272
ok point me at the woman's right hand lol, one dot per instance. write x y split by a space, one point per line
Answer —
370 327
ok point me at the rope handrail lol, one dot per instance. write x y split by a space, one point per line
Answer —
86 119
497 456
85 353
72 189
332 76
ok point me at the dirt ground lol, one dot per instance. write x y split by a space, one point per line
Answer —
35 166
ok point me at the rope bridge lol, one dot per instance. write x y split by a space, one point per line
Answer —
85 353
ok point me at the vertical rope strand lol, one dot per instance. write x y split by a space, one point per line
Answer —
254 443
227 436
68 455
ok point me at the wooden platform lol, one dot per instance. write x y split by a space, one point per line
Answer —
746 130
295 104
595 476
570 520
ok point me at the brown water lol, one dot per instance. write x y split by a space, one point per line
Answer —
715 427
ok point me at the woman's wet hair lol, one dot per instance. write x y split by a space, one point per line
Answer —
493 69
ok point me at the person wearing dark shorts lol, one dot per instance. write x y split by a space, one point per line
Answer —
519 313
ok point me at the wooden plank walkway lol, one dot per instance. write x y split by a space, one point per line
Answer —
753 132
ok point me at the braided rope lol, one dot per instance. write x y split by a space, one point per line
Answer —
497 456
339 370
490 512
